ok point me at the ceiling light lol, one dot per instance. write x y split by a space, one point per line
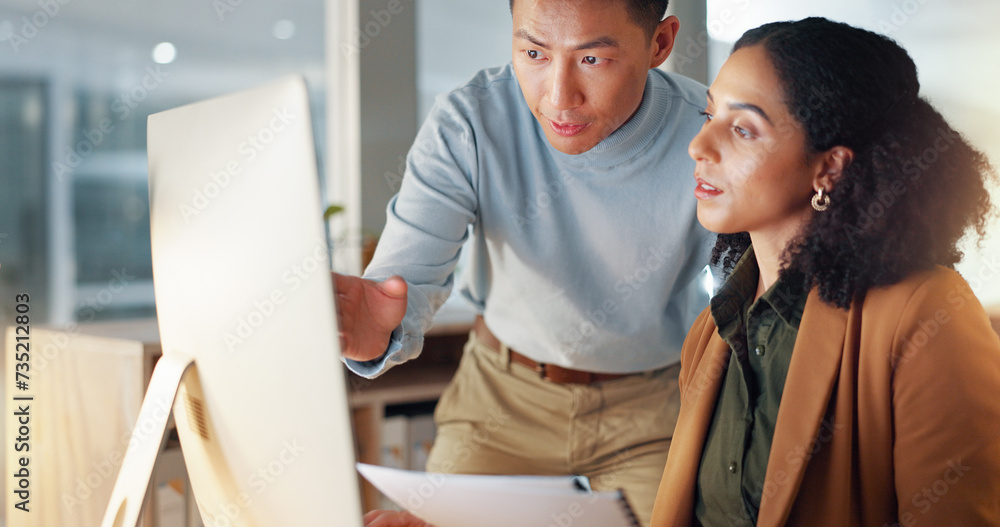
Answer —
283 29
164 53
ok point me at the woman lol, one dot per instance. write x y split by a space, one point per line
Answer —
843 374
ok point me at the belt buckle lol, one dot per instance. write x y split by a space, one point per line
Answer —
559 375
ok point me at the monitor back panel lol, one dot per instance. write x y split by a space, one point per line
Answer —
242 282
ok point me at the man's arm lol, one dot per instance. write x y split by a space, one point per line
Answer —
426 225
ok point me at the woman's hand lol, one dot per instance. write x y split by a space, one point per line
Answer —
379 518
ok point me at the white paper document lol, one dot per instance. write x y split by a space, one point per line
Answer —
459 500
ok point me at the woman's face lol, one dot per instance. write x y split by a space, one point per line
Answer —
752 168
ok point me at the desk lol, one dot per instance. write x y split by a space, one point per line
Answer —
77 451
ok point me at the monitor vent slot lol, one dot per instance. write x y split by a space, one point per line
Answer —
196 415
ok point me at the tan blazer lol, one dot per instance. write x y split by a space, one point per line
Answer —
890 414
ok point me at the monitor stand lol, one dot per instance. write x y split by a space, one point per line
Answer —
148 435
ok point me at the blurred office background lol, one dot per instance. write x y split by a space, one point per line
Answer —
77 80
79 77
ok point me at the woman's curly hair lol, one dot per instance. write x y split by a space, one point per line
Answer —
915 185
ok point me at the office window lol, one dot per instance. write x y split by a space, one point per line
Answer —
77 83
23 140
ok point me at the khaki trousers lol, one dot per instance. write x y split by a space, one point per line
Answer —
499 417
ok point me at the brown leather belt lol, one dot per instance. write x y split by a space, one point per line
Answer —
548 372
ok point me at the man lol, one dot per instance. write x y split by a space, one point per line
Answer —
571 166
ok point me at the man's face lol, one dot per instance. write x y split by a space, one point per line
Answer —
582 67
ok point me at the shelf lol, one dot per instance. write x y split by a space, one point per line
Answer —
411 382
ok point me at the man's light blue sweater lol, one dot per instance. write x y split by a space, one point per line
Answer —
587 261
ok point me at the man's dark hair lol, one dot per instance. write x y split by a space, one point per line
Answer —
646 14
915 184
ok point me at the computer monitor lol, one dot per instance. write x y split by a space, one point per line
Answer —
243 291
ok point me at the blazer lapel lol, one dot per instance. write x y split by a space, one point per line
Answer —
812 375
675 500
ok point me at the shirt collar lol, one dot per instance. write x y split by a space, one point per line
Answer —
729 303
787 296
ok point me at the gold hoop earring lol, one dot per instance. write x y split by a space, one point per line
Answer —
821 201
